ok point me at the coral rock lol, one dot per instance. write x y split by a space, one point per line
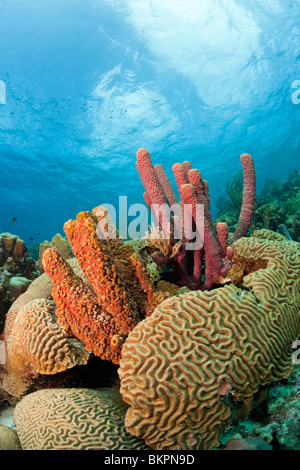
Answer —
17 285
12 246
9 439
40 288
102 311
34 341
38 345
250 443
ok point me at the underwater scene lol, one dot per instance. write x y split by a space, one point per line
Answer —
149 227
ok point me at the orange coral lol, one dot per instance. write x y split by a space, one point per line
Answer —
117 294
129 265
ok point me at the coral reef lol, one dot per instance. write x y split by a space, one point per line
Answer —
284 422
34 342
98 304
118 292
36 326
143 248
250 443
88 420
173 252
275 421
280 427
179 365
17 271
17 285
277 204
188 359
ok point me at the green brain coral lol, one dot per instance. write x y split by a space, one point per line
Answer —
74 419
178 363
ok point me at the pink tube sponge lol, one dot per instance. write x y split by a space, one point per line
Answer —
153 189
214 253
222 234
248 197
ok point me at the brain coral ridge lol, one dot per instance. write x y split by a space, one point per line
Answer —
118 292
34 342
74 419
178 364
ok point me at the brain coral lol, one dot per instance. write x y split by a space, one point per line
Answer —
74 419
39 346
58 242
178 363
34 342
40 288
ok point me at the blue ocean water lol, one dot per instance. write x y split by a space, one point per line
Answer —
85 83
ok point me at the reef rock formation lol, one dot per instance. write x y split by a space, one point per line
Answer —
118 292
8 439
34 342
283 414
17 271
74 419
173 247
179 365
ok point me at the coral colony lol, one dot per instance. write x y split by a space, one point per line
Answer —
193 191
183 330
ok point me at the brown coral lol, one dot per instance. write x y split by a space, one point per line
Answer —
166 286
17 270
17 285
88 420
8 439
58 242
177 363
12 246
33 339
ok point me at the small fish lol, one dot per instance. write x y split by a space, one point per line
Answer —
14 220
31 238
